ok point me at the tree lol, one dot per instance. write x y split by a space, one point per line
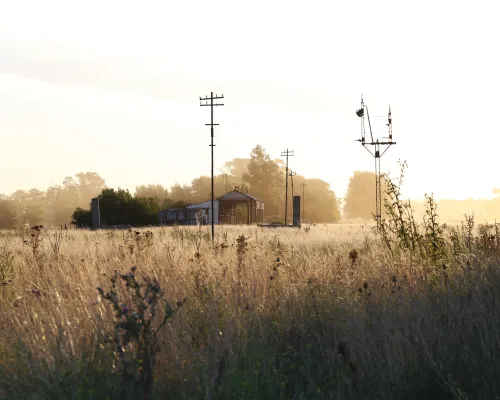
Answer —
60 203
236 168
18 199
359 201
113 206
89 184
201 188
178 192
321 203
7 214
119 207
81 217
85 185
30 206
180 204
153 191
265 180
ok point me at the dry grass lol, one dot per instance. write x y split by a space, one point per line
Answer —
283 313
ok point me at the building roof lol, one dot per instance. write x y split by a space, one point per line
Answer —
236 195
205 204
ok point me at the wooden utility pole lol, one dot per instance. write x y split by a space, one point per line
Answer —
292 174
211 124
287 153
303 185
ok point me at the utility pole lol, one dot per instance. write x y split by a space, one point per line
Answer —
292 174
287 153
385 143
303 185
211 124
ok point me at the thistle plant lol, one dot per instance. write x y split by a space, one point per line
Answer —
140 241
137 309
34 241
241 248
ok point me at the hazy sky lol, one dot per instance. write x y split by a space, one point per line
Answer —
113 87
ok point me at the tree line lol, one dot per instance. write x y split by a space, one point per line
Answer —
359 203
53 206
259 174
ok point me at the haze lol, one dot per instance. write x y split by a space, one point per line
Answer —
113 87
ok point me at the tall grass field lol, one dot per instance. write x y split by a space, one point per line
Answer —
325 311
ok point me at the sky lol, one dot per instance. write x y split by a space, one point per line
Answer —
113 87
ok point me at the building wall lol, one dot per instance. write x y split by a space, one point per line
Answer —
187 216
216 213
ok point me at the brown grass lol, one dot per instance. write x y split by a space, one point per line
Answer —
287 314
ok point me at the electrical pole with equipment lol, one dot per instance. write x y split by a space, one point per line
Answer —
209 101
287 153
384 144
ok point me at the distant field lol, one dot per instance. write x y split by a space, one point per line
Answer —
325 311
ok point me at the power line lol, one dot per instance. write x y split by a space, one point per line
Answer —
211 124
287 153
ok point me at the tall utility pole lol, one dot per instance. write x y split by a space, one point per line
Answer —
292 174
211 124
287 153
303 185
377 154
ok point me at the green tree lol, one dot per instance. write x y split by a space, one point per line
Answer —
81 217
119 207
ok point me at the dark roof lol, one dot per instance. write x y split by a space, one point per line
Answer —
237 195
